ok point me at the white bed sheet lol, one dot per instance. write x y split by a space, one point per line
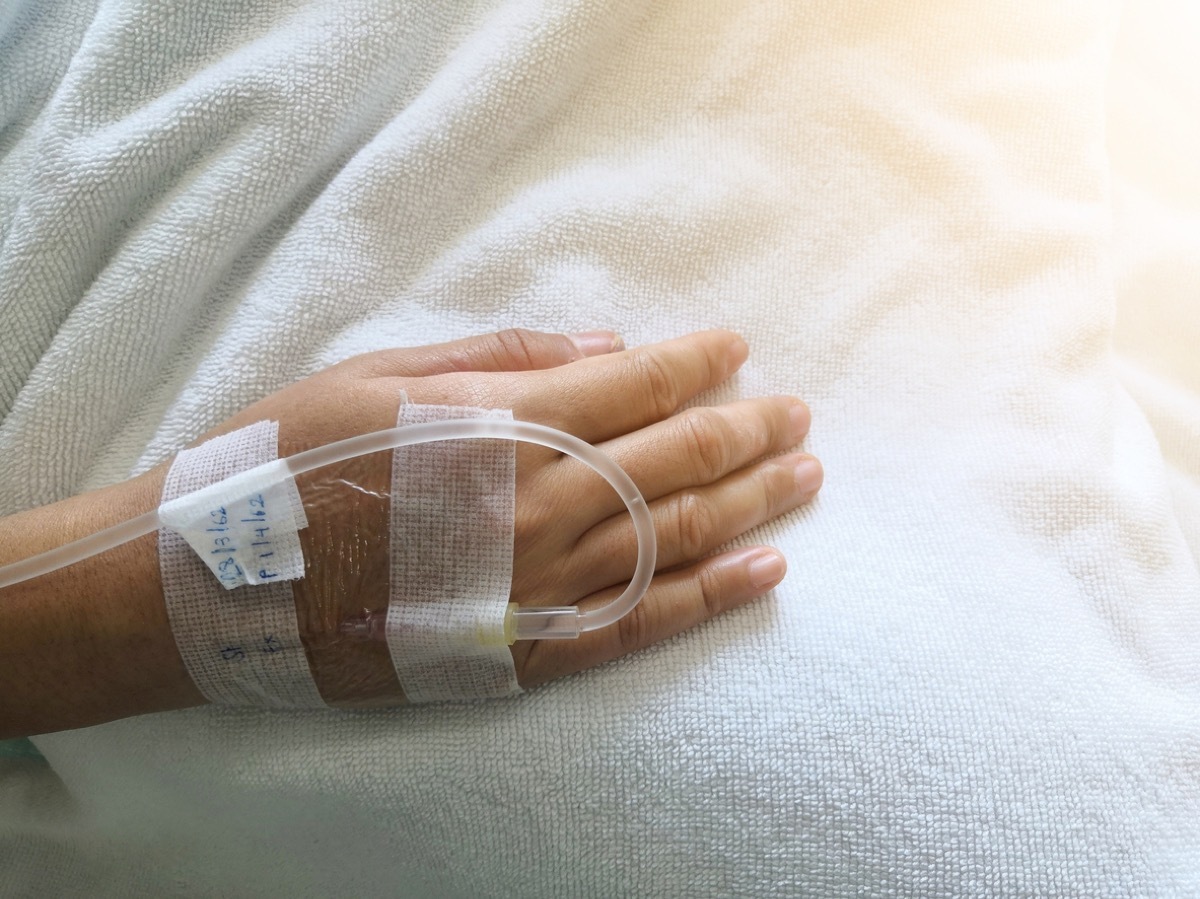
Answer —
980 677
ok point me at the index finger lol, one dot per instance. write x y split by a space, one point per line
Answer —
514 349
607 396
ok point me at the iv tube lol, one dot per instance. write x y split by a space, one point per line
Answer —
522 624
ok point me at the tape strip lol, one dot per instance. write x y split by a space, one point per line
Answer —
246 527
451 543
238 639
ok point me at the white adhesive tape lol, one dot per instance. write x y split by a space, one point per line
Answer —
452 540
245 527
237 631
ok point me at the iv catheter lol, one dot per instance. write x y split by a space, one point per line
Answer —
555 622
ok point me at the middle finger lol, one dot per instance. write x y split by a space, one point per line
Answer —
693 448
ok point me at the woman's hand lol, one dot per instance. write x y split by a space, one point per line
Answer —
92 642
709 474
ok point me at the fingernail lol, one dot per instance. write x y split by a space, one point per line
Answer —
801 418
597 343
766 570
809 475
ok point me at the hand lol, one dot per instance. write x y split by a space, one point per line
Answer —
91 642
704 472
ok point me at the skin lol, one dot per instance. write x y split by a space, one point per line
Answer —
92 643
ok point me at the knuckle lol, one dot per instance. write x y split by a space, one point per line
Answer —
712 591
662 395
635 630
775 489
519 347
709 443
695 523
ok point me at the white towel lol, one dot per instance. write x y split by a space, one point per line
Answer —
981 675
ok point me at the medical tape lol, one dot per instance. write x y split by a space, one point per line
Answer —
227 557
452 558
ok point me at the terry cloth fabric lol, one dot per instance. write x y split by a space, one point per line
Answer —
981 677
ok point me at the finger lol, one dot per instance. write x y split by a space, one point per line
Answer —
697 446
691 523
608 396
515 349
604 397
627 391
674 603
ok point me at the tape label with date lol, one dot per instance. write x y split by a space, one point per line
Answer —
245 528
229 550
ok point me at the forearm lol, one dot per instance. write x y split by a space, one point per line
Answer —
91 642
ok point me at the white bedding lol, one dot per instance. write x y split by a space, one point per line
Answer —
981 675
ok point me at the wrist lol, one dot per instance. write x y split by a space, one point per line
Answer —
91 642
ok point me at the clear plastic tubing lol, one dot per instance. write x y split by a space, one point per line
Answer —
556 622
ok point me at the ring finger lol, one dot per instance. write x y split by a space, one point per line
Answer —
691 523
